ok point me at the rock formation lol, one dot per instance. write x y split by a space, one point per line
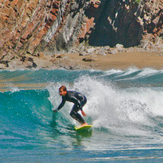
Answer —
29 27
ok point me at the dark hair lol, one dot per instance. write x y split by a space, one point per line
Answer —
63 88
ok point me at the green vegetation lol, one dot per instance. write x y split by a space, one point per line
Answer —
137 1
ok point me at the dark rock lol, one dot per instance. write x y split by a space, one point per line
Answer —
88 60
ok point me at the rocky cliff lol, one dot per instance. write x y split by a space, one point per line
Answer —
29 27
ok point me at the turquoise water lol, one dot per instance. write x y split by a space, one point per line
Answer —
125 108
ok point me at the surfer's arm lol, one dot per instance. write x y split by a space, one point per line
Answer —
77 102
60 106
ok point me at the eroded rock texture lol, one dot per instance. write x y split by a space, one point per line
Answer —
55 26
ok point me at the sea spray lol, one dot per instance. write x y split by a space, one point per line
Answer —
122 111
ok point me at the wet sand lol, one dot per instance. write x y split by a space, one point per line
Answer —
12 87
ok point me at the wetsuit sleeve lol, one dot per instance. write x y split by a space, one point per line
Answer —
77 102
61 104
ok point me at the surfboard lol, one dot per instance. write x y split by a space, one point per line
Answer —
83 127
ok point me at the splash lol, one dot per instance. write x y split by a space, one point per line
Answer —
122 111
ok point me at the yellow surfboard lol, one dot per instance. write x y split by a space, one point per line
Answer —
83 127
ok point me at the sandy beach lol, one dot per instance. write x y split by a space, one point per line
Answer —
77 61
121 61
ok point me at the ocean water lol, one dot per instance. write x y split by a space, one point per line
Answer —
125 108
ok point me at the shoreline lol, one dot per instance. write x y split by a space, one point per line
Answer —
77 61
122 59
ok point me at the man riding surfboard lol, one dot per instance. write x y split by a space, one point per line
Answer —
79 101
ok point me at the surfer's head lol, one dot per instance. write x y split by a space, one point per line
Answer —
62 90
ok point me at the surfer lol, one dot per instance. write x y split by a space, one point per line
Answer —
79 101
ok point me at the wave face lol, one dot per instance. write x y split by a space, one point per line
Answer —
125 108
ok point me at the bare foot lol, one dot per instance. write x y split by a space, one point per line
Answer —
84 124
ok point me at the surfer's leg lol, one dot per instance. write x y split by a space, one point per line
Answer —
83 102
74 114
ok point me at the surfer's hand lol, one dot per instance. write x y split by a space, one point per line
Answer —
56 110
83 113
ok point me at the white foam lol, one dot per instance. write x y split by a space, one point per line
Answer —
122 111
148 72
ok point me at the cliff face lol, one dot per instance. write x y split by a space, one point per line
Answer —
54 26
127 22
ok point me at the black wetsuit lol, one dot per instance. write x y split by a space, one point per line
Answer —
79 101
